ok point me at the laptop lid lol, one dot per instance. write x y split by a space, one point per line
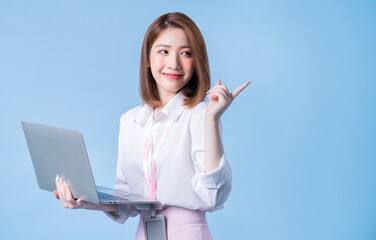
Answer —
55 150
60 151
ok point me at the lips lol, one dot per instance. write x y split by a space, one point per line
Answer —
172 75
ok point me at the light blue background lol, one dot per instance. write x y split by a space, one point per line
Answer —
300 139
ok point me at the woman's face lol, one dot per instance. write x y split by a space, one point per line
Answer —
171 61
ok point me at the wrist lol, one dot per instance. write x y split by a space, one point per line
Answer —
109 208
211 118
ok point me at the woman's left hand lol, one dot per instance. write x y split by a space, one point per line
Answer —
221 99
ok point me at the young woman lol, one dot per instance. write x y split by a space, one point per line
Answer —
170 147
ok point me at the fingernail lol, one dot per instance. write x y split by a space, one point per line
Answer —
65 184
79 200
57 178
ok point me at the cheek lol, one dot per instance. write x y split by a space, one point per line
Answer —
155 62
188 65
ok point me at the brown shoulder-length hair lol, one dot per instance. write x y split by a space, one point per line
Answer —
195 90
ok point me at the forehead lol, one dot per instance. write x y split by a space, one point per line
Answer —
175 37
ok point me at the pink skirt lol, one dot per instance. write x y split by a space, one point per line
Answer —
181 223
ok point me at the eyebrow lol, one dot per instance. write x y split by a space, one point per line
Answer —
165 45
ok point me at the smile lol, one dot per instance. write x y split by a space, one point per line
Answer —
172 76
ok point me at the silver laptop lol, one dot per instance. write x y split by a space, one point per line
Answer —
59 151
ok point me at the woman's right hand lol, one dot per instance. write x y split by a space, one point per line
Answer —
65 195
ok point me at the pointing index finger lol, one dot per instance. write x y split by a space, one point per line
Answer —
239 89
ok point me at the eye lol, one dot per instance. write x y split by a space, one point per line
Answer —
186 53
162 51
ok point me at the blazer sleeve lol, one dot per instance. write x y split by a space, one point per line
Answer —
124 210
214 187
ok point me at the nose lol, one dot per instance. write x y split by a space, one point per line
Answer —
173 61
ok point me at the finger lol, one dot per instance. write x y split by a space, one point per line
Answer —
56 194
58 186
83 204
239 89
80 202
57 180
217 84
226 95
218 91
61 191
71 202
220 98
225 89
55 191
220 95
